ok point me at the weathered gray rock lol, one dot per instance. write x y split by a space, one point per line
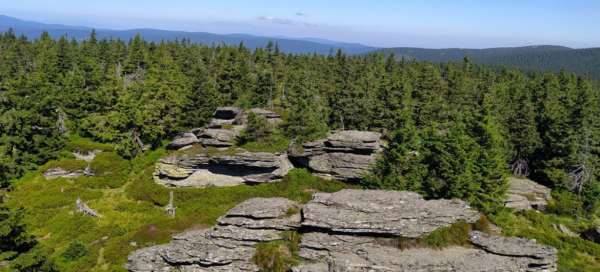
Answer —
148 260
218 137
355 247
273 213
538 257
222 248
226 116
228 168
345 155
54 173
404 214
525 194
333 253
185 139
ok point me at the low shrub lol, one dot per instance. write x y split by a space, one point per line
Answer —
454 235
278 256
74 251
566 203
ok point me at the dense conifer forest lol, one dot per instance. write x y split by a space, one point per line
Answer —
454 130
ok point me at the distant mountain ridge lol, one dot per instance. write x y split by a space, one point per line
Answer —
531 58
289 45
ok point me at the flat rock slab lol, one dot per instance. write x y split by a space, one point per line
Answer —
263 208
395 213
228 168
525 194
225 247
185 139
333 252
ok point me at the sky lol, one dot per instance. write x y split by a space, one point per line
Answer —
382 23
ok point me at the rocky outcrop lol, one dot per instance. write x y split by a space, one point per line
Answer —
183 140
525 194
226 116
225 247
228 168
344 155
354 230
371 226
57 172
404 214
332 253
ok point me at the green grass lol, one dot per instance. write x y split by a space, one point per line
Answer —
274 144
278 256
574 254
132 207
456 234
80 144
67 164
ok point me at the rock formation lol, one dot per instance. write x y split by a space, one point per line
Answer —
362 235
228 168
229 246
404 214
345 155
525 194
183 140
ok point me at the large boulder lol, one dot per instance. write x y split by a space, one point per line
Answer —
227 168
226 116
334 252
183 140
225 247
344 155
396 213
525 194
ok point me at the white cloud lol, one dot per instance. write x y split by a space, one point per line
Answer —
284 21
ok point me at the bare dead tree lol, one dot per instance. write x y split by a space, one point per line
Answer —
136 137
583 171
170 208
61 122
520 168
85 209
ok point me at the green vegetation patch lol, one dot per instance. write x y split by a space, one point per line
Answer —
456 234
275 143
278 256
131 204
574 254
80 144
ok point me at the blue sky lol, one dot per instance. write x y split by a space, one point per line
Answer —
420 23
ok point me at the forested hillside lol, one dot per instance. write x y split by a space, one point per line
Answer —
585 62
33 30
454 130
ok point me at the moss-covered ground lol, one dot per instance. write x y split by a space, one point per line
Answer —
133 216
131 204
